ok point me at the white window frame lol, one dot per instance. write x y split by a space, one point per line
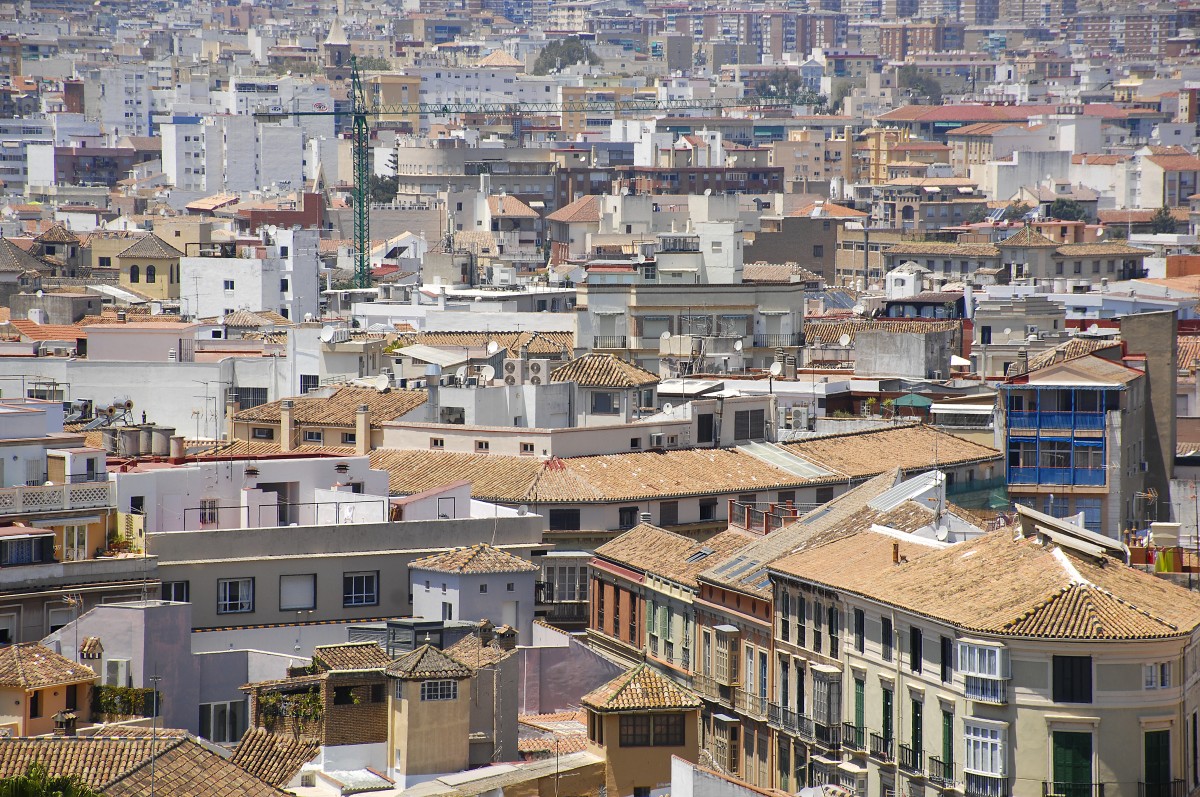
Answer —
74 542
361 595
243 604
445 689
1156 675
235 720
985 747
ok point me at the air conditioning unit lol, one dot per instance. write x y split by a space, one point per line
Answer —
116 672
539 368
535 380
656 441
514 372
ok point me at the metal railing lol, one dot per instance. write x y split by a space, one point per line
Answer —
853 737
986 690
747 703
911 759
1083 477
828 736
941 773
608 341
985 786
765 518
1032 419
881 747
706 686
1170 788
1067 789
776 340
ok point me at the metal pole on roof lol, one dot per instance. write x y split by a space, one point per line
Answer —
154 679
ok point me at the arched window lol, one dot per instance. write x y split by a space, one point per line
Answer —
134 274
151 273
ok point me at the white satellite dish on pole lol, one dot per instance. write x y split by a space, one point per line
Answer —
844 340
487 373
776 369
665 336
668 406
522 510
327 334
1008 330
738 345
381 382
492 347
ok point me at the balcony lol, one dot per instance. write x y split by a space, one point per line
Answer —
986 786
765 518
56 498
1061 789
777 340
1082 477
881 747
754 705
941 773
1088 421
608 341
1171 788
911 759
987 690
706 686
828 736
853 737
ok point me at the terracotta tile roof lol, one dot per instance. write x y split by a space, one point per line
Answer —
911 447
830 332
91 647
15 259
1028 238
635 476
585 210
1176 163
1138 215
32 666
1072 349
150 245
984 129
498 58
640 688
781 273
942 248
471 651
1188 350
31 330
552 744
1089 159
997 585
340 407
509 207
350 656
119 767
1101 249
539 343
478 558
274 758
427 662
828 210
1090 369
57 234
244 319
115 730
603 370
672 556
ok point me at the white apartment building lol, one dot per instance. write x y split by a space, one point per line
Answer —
246 96
450 84
232 153
119 97
278 272
24 143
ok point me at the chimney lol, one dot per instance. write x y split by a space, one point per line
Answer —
362 430
895 553
176 446
487 632
506 636
644 517
285 425
231 409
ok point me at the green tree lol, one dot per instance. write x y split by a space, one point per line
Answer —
1016 211
1117 233
38 782
373 63
1163 222
1066 210
909 77
977 214
563 53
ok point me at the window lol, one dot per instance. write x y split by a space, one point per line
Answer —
343 695
668 513
349 438
1156 675
604 403
785 620
818 250
248 397
175 591
887 638
860 627
135 274
947 660
1072 679
705 427
151 274
915 645
259 433
985 748
437 443
708 509
283 284
437 690
627 517
208 511
482 445
106 262
309 382
635 730
564 520
360 589
527 448
985 670
749 424
314 436
667 730
228 285
378 694
35 704
235 595
71 697
297 592
635 443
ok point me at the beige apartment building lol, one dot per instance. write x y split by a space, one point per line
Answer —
1014 665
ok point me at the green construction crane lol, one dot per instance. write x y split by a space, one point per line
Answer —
362 113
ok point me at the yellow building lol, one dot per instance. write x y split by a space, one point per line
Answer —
150 266
641 719
396 89
35 684
429 724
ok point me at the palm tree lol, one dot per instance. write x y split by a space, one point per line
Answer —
38 782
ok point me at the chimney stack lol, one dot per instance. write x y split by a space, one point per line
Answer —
285 425
487 632
231 409
506 636
895 553
362 430
176 446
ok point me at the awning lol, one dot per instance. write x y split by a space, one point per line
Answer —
913 400
961 409
824 669
724 718
727 629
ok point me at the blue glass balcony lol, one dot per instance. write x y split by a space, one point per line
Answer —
1081 477
1087 421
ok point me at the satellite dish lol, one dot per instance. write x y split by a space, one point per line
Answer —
381 382
487 373
776 369
844 340
665 336
943 534
859 309
1008 330
492 347
668 406
708 192
738 345
522 510
460 374
327 334
40 293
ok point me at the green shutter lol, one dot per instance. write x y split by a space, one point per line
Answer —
860 709
1158 757
1072 763
918 729
887 713
947 737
